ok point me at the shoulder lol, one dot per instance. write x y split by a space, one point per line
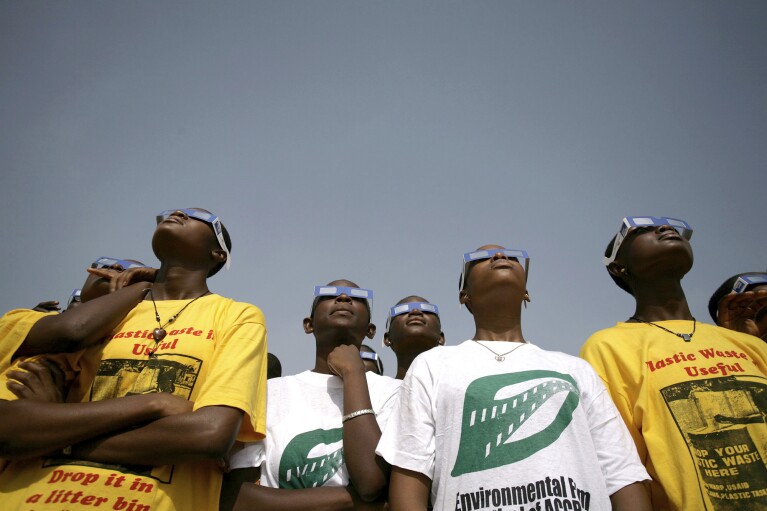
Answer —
384 384
562 361
606 334
238 312
727 338
16 316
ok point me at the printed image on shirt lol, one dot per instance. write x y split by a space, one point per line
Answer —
723 423
311 458
173 374
509 417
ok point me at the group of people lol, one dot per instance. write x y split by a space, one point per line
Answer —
152 394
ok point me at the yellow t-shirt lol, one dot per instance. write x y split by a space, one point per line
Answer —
696 410
214 354
14 328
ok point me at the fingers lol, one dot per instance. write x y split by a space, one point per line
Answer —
41 380
131 276
47 306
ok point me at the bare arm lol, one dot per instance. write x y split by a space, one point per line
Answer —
32 428
633 497
253 497
408 490
82 326
206 433
368 472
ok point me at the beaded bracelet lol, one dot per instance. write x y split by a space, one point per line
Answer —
352 415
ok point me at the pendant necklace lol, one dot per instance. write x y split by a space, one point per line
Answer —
685 337
500 357
159 333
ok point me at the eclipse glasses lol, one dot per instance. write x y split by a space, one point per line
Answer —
746 282
635 222
479 255
351 292
208 218
404 308
109 262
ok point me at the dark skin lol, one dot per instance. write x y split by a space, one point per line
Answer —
85 325
495 289
339 325
188 250
738 311
652 261
411 334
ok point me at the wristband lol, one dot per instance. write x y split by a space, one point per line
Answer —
352 415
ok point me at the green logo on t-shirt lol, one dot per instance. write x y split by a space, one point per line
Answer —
490 422
299 470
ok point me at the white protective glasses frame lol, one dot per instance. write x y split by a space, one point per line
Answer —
108 262
351 292
404 308
479 255
208 218
630 223
745 281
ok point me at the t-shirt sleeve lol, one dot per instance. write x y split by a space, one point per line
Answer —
247 455
609 368
386 392
408 439
14 327
614 447
237 377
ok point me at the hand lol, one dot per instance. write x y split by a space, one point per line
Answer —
40 380
120 279
170 404
49 306
345 359
737 311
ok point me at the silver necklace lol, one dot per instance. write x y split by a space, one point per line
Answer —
500 357
685 337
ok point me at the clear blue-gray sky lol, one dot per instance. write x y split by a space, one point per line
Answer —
378 141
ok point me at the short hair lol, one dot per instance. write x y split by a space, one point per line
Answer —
273 366
228 241
619 281
722 291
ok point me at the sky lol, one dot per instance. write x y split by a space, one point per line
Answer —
379 141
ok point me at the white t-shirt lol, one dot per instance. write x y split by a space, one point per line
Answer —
304 436
537 427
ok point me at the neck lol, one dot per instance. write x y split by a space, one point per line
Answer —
661 302
404 362
325 346
177 283
493 325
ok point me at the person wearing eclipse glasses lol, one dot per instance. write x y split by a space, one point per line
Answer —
323 424
24 332
163 408
371 360
740 304
36 348
498 423
413 327
690 393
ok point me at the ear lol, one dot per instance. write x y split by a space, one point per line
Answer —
218 255
616 269
441 340
371 331
387 341
463 297
308 326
